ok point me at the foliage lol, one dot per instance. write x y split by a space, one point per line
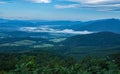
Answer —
48 63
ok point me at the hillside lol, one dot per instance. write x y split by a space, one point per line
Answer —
95 39
23 44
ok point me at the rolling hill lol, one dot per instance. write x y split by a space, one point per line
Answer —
95 39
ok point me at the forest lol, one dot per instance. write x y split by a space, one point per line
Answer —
44 62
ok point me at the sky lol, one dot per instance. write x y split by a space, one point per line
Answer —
83 10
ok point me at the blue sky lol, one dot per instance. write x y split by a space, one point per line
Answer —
60 9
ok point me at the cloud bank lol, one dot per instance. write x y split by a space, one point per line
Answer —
50 30
102 5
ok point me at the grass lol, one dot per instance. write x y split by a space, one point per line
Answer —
57 40
43 45
19 43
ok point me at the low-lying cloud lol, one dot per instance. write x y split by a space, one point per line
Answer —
51 30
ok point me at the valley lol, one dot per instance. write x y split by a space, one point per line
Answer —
59 36
66 42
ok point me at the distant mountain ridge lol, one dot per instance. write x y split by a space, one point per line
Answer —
6 24
111 25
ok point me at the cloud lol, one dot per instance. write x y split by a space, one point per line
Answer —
34 1
101 5
40 1
90 1
66 6
96 1
2 2
50 30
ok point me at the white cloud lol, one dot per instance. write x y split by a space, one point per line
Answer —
102 5
50 30
1 2
91 1
66 6
40 1
95 1
70 31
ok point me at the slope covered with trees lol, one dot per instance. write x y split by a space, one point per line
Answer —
95 39
49 63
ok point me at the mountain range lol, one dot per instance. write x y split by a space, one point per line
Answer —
112 25
64 37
